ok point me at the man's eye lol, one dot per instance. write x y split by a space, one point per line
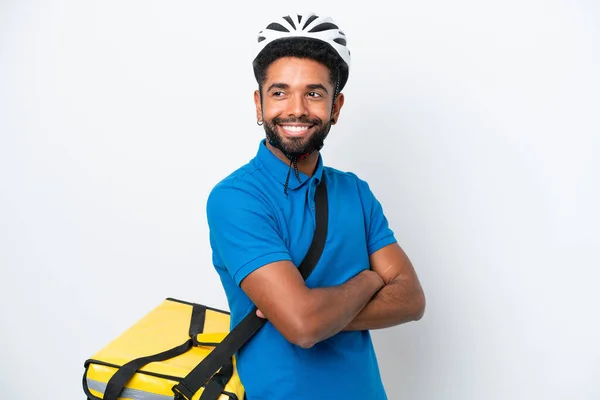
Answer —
314 94
278 93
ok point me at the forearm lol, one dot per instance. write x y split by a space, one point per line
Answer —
331 309
394 304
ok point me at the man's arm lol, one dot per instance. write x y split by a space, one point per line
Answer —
400 300
302 315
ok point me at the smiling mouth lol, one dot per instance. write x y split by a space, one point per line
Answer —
295 130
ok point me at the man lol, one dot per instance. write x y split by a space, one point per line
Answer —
316 343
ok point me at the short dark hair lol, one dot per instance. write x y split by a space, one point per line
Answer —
300 48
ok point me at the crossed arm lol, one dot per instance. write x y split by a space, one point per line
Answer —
386 295
400 300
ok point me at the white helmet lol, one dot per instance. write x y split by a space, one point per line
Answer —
307 26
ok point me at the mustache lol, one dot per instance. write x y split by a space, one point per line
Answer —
301 120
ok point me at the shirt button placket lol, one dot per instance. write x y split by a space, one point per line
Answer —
313 185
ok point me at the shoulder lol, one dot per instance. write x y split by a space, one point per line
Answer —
349 184
347 179
240 180
240 189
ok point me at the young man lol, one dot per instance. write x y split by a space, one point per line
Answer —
316 343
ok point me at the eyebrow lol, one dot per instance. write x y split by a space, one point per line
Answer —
315 86
312 86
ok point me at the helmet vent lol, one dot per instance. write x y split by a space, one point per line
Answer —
277 27
311 19
323 27
288 19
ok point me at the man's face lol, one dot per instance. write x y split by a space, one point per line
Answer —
296 105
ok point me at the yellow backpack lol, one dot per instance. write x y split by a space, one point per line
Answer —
182 350
161 349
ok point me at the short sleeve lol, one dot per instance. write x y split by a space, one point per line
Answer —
243 231
378 232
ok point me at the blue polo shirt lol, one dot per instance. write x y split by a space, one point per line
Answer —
253 223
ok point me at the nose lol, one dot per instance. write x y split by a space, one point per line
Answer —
296 106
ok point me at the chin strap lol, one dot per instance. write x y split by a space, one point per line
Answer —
293 162
294 158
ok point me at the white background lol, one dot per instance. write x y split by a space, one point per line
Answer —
475 123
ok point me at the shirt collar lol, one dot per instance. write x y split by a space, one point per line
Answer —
279 169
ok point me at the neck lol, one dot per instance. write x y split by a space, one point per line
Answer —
307 166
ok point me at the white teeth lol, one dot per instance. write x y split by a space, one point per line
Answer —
295 128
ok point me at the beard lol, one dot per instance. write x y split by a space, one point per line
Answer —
297 146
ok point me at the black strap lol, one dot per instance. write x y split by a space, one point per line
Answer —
117 382
216 385
315 250
243 331
197 321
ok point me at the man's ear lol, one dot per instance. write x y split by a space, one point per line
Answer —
337 107
258 105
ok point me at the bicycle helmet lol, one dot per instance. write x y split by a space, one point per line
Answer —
310 26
